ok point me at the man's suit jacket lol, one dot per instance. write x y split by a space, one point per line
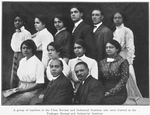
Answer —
101 36
84 31
58 92
91 92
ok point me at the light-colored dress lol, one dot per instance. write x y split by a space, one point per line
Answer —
18 37
65 71
126 39
30 72
42 39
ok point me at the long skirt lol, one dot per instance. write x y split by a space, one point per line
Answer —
14 80
132 88
21 98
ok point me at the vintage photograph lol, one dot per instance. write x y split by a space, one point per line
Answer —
75 53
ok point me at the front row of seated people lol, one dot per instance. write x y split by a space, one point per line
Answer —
81 85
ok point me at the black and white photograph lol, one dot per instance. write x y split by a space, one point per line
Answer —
75 57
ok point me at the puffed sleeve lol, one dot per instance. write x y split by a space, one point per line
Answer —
94 70
130 46
124 73
40 73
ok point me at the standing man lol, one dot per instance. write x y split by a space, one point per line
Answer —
102 34
82 31
90 90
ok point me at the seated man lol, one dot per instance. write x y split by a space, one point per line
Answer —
91 90
59 91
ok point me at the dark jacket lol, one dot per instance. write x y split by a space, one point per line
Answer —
58 92
84 31
101 36
91 92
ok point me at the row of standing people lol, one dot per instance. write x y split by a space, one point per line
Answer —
81 31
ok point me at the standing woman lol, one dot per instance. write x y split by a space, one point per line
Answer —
114 73
62 36
18 37
42 38
31 75
126 39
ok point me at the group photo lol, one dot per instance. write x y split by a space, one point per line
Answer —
75 53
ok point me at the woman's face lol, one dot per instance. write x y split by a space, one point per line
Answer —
58 24
38 25
111 50
118 19
52 52
18 22
78 50
26 51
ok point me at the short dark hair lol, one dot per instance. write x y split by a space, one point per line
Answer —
81 42
58 47
77 7
82 63
99 9
116 44
30 44
21 15
43 18
61 17
61 63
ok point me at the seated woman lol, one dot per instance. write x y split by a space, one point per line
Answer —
55 50
114 73
31 76
79 50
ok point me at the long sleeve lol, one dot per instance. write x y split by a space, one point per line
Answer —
18 38
95 93
124 73
88 37
94 70
63 96
130 46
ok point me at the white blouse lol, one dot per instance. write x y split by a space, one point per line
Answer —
31 70
65 71
92 65
42 39
18 38
126 39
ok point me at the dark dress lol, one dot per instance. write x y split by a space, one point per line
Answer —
65 39
114 76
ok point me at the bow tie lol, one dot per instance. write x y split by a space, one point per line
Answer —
110 59
18 30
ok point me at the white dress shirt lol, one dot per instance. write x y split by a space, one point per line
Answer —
92 65
42 39
76 24
18 37
31 70
97 26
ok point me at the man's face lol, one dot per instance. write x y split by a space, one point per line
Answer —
75 14
55 68
97 17
81 72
